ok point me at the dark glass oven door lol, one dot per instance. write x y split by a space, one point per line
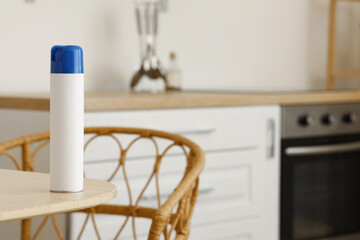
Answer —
320 188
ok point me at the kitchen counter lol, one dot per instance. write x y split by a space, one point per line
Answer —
107 101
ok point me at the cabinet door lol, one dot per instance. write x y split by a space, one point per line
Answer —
253 176
268 173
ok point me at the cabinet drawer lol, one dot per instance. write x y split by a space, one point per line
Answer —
232 180
211 128
231 230
226 185
138 172
245 229
108 226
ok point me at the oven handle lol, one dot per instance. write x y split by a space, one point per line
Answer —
323 149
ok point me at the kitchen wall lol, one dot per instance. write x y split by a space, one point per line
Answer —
232 44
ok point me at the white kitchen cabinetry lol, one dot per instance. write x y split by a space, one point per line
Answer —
239 187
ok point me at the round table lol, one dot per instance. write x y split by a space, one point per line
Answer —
26 195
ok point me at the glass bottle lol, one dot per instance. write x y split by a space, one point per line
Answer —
173 76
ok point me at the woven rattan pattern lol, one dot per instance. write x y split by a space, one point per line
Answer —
171 220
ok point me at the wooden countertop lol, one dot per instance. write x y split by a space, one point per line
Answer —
106 101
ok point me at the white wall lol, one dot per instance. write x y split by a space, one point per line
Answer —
231 44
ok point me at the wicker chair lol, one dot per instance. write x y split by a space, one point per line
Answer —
170 220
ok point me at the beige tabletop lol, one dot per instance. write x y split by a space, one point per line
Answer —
26 195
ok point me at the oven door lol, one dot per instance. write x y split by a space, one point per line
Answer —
320 188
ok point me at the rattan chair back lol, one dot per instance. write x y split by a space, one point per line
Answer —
169 220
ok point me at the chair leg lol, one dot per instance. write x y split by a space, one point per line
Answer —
25 229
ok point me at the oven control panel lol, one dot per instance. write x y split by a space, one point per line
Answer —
320 120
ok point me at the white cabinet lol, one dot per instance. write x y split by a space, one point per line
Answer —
239 187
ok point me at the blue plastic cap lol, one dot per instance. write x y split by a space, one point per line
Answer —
67 59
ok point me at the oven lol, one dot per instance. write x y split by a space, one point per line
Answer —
320 172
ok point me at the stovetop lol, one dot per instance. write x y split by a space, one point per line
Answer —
320 120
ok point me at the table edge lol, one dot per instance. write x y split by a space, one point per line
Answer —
58 208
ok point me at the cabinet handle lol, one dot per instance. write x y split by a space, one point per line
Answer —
205 129
270 139
153 196
196 130
205 191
